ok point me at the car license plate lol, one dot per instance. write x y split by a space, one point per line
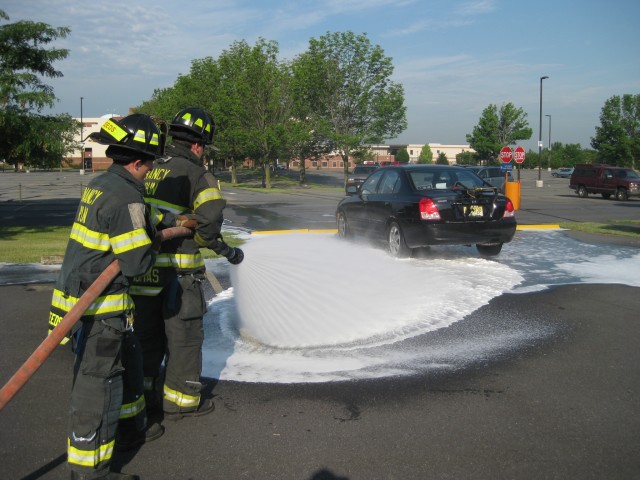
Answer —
474 211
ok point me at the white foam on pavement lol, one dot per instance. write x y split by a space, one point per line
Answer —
311 308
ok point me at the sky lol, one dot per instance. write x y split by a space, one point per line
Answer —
453 58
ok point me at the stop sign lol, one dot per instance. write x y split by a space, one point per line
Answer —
519 155
506 155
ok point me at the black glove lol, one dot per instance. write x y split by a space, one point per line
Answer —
235 256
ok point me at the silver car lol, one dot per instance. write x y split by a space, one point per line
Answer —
493 175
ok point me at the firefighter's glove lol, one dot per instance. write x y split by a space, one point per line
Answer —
188 221
235 256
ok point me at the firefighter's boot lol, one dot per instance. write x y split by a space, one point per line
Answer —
207 406
128 439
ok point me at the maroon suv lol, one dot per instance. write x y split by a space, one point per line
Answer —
606 180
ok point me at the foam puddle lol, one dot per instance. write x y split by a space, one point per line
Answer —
312 308
392 313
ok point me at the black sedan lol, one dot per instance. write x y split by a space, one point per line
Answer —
415 206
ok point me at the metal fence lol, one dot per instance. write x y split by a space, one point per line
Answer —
42 185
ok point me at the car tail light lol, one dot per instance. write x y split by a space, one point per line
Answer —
428 210
509 210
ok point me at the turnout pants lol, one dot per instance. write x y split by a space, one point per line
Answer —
169 327
107 389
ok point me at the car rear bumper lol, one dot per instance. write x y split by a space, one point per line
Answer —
423 234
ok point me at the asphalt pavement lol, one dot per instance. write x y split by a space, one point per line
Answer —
563 407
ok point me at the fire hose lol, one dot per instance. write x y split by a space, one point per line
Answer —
49 344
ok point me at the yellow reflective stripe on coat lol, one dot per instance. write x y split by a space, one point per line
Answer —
90 238
162 205
179 260
89 458
207 195
130 410
156 216
181 399
144 290
130 241
119 302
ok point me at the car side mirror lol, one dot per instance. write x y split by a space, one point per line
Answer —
352 189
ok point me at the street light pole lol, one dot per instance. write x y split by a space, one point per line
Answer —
549 157
81 135
539 182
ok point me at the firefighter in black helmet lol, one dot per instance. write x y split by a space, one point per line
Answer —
112 222
169 300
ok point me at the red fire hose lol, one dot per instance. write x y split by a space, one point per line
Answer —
49 344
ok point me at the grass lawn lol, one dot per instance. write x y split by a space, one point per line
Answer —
31 244
626 228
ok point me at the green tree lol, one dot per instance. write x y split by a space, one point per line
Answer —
426 155
23 62
348 86
466 158
402 156
442 159
247 90
498 128
617 138
309 133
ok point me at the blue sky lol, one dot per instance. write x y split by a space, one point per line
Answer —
453 58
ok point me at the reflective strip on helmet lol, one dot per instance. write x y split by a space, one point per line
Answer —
90 458
130 240
179 260
119 302
115 130
141 136
207 195
181 399
130 410
90 238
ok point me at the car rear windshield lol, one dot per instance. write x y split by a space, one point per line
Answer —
445 179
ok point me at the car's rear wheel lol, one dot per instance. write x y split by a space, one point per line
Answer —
606 195
622 194
582 191
343 225
397 245
489 250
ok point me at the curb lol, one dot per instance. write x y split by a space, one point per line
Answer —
334 230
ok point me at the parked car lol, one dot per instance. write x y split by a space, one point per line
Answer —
606 180
563 172
492 175
413 206
359 174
